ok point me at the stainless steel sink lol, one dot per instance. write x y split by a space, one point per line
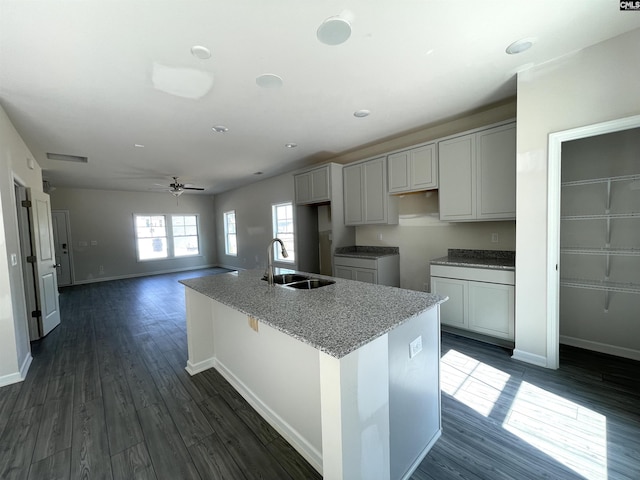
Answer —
285 278
300 282
310 284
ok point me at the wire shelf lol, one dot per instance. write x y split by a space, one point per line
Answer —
603 216
591 181
627 252
602 285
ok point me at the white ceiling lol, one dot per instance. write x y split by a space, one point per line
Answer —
95 77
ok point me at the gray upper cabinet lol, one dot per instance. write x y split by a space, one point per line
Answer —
413 170
313 186
477 175
365 194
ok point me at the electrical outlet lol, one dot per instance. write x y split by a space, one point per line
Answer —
379 237
253 323
494 238
415 347
101 269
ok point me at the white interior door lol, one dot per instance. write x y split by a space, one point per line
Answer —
60 223
45 261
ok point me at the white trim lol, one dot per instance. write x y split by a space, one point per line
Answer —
554 170
414 466
195 368
147 274
290 434
601 347
531 358
17 376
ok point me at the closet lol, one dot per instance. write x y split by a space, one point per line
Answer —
600 243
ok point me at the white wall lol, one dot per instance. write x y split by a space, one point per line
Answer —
14 336
252 205
595 85
106 216
422 237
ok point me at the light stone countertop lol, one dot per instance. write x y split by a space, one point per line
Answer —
336 319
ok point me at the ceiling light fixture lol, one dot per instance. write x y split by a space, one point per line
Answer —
361 113
269 80
335 30
138 145
220 129
520 46
200 52
291 145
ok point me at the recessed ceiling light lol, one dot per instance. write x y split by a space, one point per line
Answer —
334 30
200 52
291 145
138 145
520 46
361 113
269 80
257 173
220 129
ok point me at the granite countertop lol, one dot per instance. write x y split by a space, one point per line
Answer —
336 319
364 251
493 259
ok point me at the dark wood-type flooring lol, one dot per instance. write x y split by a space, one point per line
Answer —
107 397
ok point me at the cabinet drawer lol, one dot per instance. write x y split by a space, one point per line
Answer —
356 262
506 277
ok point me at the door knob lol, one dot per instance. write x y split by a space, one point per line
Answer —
56 265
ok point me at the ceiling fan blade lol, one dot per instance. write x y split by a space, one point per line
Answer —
192 188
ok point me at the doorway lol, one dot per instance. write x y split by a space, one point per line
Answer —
62 242
556 141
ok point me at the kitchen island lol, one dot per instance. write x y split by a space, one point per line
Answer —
348 373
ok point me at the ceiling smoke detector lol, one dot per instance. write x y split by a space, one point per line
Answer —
335 30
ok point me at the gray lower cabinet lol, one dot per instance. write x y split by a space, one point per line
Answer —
480 300
382 270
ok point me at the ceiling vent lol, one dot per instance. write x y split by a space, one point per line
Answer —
67 158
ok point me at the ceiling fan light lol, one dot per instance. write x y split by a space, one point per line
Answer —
177 192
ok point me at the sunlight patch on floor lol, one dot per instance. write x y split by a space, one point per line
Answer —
569 433
471 382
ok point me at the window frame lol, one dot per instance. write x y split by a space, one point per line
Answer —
290 245
169 236
227 234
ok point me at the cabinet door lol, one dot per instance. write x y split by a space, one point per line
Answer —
496 173
343 272
424 168
399 172
352 184
456 164
375 196
365 275
303 188
320 185
491 309
454 311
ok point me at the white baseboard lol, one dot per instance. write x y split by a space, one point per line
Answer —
17 376
145 274
531 358
425 451
195 368
291 435
601 347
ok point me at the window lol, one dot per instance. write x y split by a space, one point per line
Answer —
283 229
230 236
166 236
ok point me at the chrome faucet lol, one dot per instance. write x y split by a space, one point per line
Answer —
269 272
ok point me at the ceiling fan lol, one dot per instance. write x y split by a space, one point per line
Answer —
176 188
